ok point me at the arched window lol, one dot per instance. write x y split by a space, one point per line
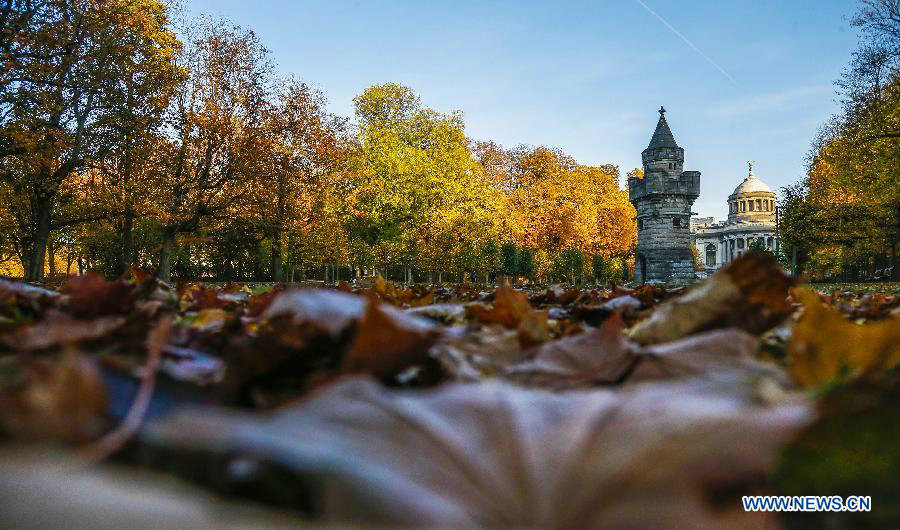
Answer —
710 255
640 224
751 205
676 222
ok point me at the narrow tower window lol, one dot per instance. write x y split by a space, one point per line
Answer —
676 222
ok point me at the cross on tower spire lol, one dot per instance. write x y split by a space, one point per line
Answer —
662 136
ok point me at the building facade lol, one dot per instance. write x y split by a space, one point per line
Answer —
752 217
663 200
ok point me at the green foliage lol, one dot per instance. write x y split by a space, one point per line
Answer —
510 260
527 267
849 204
599 268
490 258
569 265
758 245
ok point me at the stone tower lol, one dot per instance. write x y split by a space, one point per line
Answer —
663 200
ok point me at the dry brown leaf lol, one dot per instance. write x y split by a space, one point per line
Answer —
508 309
534 329
599 356
749 293
495 455
212 319
473 355
90 295
58 328
63 399
825 345
46 493
19 295
389 341
709 354
329 312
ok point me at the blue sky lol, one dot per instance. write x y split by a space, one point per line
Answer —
754 83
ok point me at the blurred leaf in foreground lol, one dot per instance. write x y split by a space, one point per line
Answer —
852 449
826 346
749 293
495 455
62 399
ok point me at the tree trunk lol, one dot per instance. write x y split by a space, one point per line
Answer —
895 274
40 237
165 256
51 258
276 257
126 256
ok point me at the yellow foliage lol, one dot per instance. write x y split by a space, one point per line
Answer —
825 346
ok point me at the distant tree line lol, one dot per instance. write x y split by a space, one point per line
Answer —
125 141
843 221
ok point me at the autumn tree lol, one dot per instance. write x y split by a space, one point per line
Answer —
420 194
306 151
216 136
853 178
65 65
562 205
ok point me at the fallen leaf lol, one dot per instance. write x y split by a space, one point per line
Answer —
825 346
708 354
45 492
58 328
508 308
63 399
14 296
210 320
534 329
187 364
494 455
388 341
596 357
92 295
473 355
330 312
443 313
749 293
851 449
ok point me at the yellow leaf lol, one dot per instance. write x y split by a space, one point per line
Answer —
208 319
825 345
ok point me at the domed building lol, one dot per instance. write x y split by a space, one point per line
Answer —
751 217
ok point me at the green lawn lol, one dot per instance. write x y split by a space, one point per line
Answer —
857 288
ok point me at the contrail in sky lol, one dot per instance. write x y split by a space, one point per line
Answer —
688 42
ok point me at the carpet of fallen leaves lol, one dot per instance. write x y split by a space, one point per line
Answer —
382 405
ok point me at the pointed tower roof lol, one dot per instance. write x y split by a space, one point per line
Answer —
662 136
